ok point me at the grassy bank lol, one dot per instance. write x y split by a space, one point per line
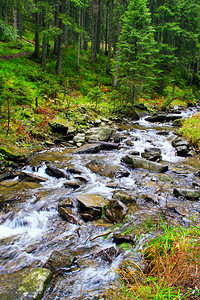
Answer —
190 129
172 268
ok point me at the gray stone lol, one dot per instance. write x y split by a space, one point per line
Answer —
99 133
51 170
88 148
141 163
90 206
153 154
79 138
124 197
67 214
103 169
60 125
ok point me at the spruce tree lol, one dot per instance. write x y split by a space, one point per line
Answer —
137 47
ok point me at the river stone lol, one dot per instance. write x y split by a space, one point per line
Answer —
79 138
51 170
28 283
91 200
102 168
99 133
137 163
115 211
67 214
59 260
2 202
59 125
190 194
90 206
28 176
75 184
65 202
88 148
153 154
107 254
124 197
124 235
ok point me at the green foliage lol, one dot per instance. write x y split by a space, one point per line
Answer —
6 32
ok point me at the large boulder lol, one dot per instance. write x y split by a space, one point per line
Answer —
90 206
60 125
141 163
28 283
181 146
116 211
99 133
104 169
13 153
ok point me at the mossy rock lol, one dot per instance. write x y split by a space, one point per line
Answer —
12 153
60 125
28 283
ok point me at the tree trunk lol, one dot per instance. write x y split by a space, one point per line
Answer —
79 41
36 52
115 81
60 42
109 38
6 12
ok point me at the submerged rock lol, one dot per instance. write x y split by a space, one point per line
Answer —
107 254
116 211
104 169
137 163
67 214
59 260
28 283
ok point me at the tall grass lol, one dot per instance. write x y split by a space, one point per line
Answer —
172 268
191 130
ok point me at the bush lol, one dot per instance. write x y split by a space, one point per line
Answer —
7 33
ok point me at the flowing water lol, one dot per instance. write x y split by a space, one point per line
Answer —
31 227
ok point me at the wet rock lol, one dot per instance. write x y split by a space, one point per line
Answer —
137 163
116 137
28 283
190 194
90 206
124 197
181 146
150 198
59 260
59 125
79 138
88 148
75 184
103 169
153 154
107 254
116 211
197 173
67 214
65 202
136 153
2 202
124 235
99 133
161 118
51 170
28 176
163 132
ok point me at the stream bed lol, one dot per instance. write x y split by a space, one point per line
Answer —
83 261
